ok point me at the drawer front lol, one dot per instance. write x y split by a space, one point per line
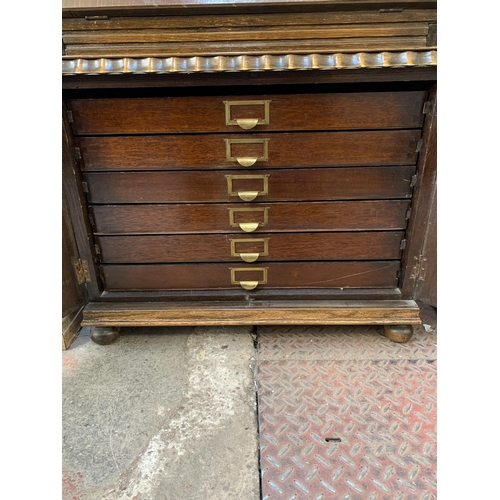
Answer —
234 186
228 218
372 110
309 149
266 247
375 274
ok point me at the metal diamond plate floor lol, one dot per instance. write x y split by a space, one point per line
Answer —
344 413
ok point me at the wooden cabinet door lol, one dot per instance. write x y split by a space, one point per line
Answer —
74 294
426 284
419 276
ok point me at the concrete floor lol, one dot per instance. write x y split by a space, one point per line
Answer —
165 413
171 413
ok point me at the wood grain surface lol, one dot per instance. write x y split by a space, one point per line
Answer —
361 274
307 149
369 183
253 312
289 19
376 245
80 80
370 110
215 218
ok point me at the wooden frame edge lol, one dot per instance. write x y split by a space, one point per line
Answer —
341 313
71 325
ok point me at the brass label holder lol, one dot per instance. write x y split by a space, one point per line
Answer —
247 161
250 256
247 123
248 227
248 285
247 195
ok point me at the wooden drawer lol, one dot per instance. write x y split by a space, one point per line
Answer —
376 245
372 110
380 274
234 186
226 218
282 150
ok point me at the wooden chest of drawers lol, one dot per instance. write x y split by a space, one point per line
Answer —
240 194
206 181
224 179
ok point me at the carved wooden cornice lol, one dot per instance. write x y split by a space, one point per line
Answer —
198 64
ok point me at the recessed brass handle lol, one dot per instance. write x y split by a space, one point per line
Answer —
246 284
248 195
246 161
249 285
249 257
248 227
247 123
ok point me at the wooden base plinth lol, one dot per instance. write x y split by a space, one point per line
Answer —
271 312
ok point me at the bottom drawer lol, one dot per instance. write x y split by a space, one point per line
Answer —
372 274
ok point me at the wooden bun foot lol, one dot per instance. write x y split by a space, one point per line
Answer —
398 333
104 336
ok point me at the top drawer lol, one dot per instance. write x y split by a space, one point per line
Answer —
367 110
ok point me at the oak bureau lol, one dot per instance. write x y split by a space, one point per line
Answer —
212 201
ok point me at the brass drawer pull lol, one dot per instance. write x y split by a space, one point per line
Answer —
247 123
247 161
248 195
248 227
250 256
247 284
243 194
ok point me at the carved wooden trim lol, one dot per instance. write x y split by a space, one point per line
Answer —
198 64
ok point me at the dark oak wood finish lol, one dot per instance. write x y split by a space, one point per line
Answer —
245 297
223 186
382 245
340 169
77 208
207 113
74 294
421 224
379 274
215 218
426 285
80 8
242 35
187 49
188 80
250 20
313 149
253 33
